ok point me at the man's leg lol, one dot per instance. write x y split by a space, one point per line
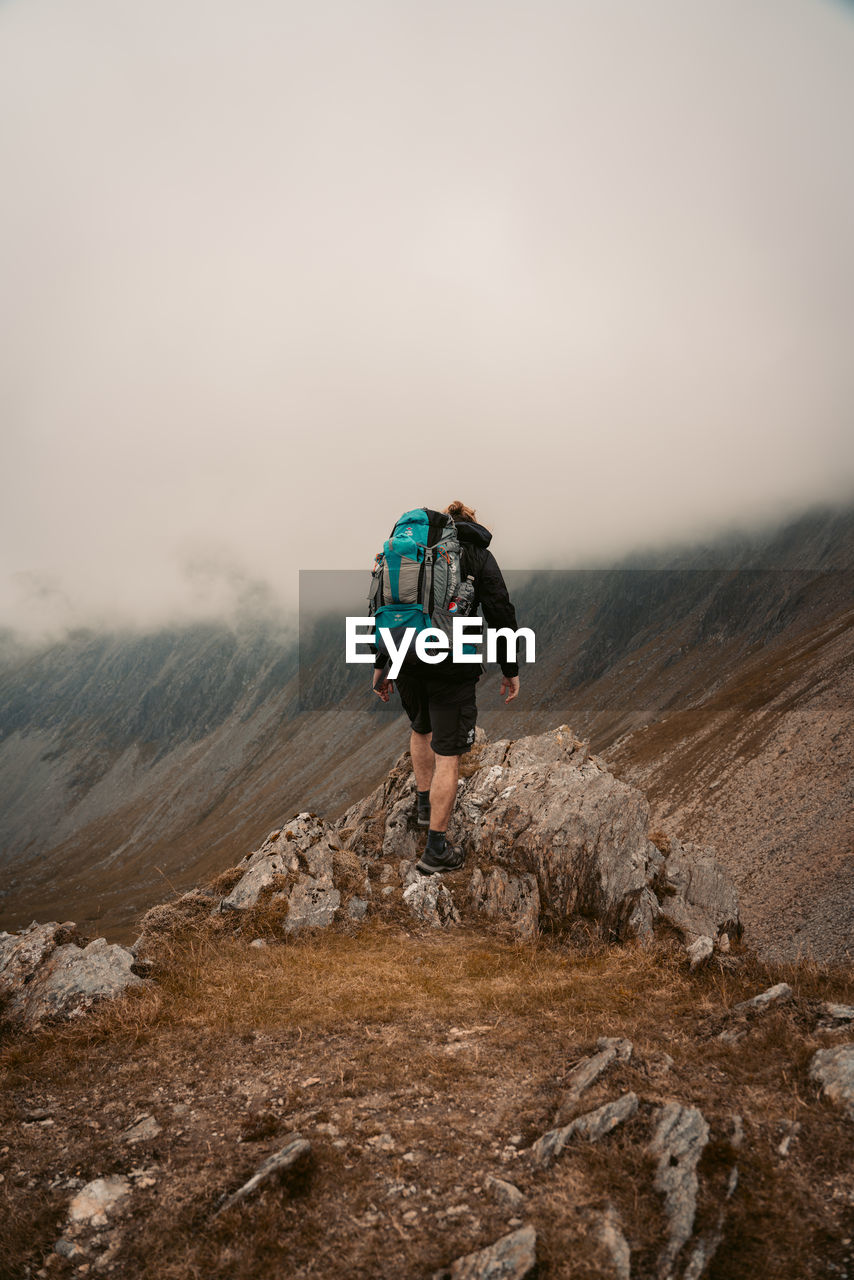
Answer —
422 760
453 713
443 791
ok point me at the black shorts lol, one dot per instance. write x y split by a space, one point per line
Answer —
445 707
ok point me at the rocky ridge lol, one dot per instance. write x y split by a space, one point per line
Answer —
555 843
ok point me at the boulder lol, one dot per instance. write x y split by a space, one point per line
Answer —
697 896
44 976
551 835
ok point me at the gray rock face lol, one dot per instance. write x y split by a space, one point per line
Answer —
42 975
551 835
697 896
501 896
513 1257
833 1069
678 1141
430 900
593 1125
301 857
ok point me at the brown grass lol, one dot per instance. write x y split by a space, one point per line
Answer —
453 1044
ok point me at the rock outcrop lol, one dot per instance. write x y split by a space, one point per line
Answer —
47 972
551 837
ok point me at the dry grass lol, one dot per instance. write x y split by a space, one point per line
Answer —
451 1043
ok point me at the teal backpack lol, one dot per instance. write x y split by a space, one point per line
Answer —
416 577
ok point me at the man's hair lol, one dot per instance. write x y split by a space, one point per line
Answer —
459 511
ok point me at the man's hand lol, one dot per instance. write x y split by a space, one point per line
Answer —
510 686
382 687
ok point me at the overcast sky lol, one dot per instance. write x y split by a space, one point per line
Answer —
271 273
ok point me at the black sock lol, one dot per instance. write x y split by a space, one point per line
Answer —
424 796
436 841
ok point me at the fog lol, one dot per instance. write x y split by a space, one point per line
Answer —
273 273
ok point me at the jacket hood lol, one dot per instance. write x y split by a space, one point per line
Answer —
473 533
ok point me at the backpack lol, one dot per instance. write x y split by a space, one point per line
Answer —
416 577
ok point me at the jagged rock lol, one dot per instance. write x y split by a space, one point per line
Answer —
773 995
44 976
592 1126
429 899
311 905
399 840
292 1156
22 953
502 896
589 1069
697 896
505 1193
834 1070
542 812
357 908
678 1141
513 1257
304 851
98 1201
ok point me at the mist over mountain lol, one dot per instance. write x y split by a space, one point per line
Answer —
130 759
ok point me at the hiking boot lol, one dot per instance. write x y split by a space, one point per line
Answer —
422 810
451 859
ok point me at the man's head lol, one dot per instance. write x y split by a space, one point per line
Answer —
459 511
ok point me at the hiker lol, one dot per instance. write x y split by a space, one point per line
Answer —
440 698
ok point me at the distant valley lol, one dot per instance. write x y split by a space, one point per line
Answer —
718 678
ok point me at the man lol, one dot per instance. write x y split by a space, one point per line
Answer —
440 699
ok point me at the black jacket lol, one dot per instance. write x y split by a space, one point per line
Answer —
490 595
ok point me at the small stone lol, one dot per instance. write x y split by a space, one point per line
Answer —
700 950
258 942
145 1128
100 1198
505 1193
773 995
382 1142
